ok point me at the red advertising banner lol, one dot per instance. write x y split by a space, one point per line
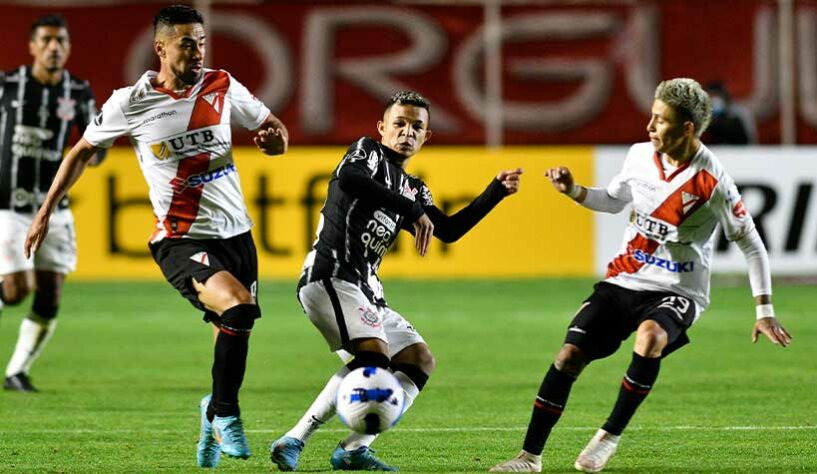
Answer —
569 74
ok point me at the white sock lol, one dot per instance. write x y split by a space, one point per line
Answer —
321 410
410 392
30 343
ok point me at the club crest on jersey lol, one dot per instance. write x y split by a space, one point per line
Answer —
369 317
201 257
66 108
408 191
688 201
215 100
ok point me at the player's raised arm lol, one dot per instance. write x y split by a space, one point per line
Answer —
68 173
272 137
597 199
451 228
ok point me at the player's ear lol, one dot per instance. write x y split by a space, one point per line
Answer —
689 129
427 136
159 47
381 128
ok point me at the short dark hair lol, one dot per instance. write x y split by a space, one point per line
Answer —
409 98
176 15
54 19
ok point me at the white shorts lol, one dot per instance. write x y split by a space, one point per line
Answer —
343 313
58 253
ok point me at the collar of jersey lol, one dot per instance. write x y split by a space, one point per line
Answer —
657 158
394 158
150 76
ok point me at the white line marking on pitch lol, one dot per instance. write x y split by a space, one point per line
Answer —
440 430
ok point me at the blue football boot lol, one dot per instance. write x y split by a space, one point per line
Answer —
360 459
229 432
285 452
208 452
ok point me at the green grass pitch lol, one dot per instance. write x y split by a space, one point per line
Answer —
121 380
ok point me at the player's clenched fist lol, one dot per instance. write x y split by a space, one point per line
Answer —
510 179
561 179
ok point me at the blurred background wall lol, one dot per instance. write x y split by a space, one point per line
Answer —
512 83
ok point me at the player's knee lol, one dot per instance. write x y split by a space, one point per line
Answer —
15 290
237 297
369 359
425 360
416 374
571 360
44 306
239 319
650 337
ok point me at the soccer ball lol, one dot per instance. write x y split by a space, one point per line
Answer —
370 400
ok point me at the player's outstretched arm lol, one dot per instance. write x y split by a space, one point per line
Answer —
272 137
596 199
562 181
451 228
68 173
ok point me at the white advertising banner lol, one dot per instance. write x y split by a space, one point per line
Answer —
778 189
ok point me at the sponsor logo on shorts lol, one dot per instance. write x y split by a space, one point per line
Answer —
669 265
369 317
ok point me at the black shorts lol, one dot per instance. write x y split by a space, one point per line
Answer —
182 260
612 313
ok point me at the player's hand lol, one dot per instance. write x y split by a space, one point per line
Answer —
773 330
36 234
510 179
560 178
423 231
271 141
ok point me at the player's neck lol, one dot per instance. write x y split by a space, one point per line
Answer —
684 153
44 76
168 80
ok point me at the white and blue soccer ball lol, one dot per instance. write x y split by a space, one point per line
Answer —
370 400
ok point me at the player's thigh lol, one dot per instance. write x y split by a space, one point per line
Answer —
184 261
674 313
221 292
341 312
601 323
58 252
400 333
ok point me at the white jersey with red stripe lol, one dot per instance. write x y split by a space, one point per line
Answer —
668 242
184 145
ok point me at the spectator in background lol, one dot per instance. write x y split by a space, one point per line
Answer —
731 123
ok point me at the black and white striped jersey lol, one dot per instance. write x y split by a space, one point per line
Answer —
36 120
370 198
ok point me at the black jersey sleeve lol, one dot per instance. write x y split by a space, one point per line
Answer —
451 228
356 178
